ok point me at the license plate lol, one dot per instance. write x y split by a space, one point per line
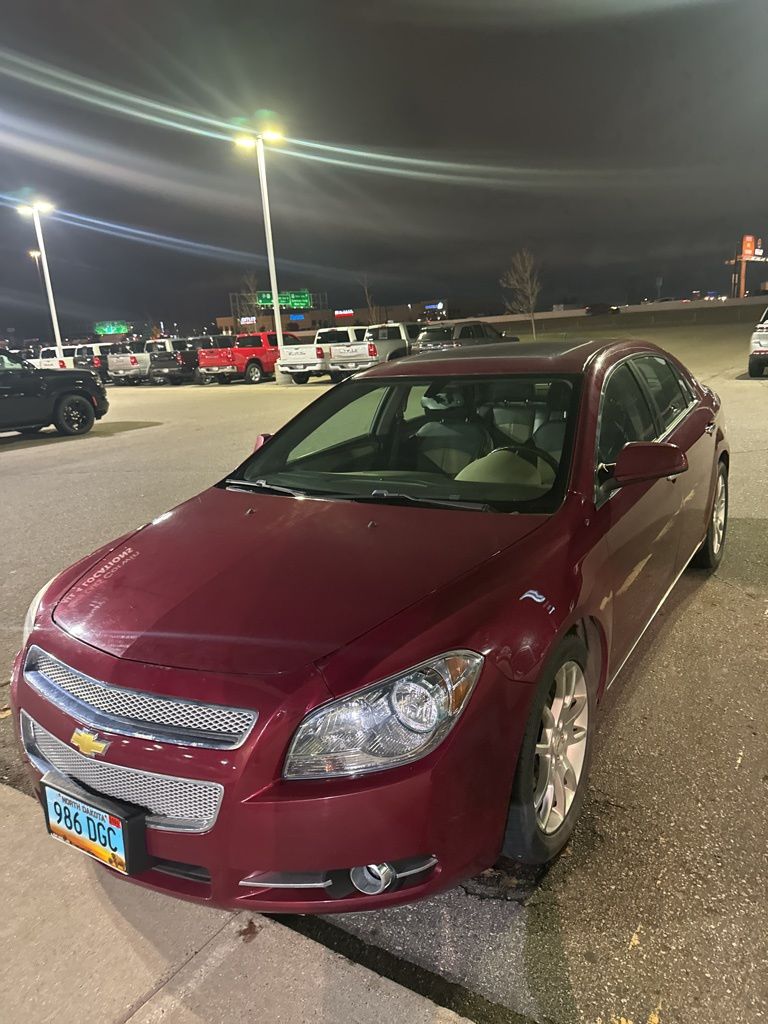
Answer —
109 831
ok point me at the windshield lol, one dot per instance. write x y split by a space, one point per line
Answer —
501 442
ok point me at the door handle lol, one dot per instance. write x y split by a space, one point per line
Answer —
710 428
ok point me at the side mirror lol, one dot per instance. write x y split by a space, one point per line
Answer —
641 461
260 441
509 337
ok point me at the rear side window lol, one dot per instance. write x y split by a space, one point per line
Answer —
250 342
413 330
664 386
624 415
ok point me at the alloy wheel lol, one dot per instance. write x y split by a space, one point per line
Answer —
561 747
74 416
719 514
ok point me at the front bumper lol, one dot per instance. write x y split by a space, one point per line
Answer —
444 815
100 405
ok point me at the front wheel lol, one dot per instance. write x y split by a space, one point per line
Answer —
550 780
74 415
300 378
755 368
710 554
253 374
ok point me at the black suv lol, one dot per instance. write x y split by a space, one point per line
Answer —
31 399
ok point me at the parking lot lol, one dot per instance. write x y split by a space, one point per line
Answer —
655 913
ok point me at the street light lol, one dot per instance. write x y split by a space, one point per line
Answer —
34 210
251 142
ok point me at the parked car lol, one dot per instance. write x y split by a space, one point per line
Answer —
380 344
248 357
436 338
480 523
173 360
601 309
30 398
758 347
93 356
128 362
49 360
301 359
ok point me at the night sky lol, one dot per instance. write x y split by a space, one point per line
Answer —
617 139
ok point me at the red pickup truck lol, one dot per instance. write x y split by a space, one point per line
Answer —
249 357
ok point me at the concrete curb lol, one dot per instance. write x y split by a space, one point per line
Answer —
75 936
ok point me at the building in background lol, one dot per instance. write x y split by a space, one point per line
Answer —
249 315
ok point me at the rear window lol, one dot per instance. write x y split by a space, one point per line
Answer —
156 346
436 334
387 333
272 339
291 339
85 350
333 337
48 353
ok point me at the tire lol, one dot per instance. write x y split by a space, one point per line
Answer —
223 378
175 381
533 836
254 373
74 415
337 377
755 368
710 554
30 430
300 378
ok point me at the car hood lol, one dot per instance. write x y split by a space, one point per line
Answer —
263 584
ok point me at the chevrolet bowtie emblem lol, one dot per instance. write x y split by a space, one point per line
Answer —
88 743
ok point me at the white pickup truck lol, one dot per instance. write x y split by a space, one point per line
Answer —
380 343
301 359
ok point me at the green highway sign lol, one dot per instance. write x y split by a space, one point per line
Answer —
111 327
289 300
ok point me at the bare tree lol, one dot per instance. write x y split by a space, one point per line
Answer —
522 281
374 313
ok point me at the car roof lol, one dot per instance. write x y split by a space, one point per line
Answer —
571 356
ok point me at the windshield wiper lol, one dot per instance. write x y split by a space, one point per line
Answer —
262 485
396 498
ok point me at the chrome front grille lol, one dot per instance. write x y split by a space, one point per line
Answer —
133 712
185 805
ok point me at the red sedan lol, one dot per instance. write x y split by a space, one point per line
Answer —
369 661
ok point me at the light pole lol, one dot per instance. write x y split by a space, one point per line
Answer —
34 210
257 142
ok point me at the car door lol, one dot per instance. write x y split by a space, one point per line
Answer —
689 423
639 521
23 394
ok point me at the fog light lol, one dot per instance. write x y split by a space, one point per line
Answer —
372 879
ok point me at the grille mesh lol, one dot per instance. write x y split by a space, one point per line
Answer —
183 719
185 804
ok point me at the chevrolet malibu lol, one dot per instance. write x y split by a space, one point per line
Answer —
369 661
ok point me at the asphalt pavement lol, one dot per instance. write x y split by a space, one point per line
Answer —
656 912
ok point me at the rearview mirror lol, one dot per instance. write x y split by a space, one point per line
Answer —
641 461
260 441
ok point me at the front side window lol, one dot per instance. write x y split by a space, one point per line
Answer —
666 393
7 362
624 416
458 442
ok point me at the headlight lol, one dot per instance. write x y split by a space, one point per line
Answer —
385 725
29 618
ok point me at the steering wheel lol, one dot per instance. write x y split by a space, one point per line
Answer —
530 450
